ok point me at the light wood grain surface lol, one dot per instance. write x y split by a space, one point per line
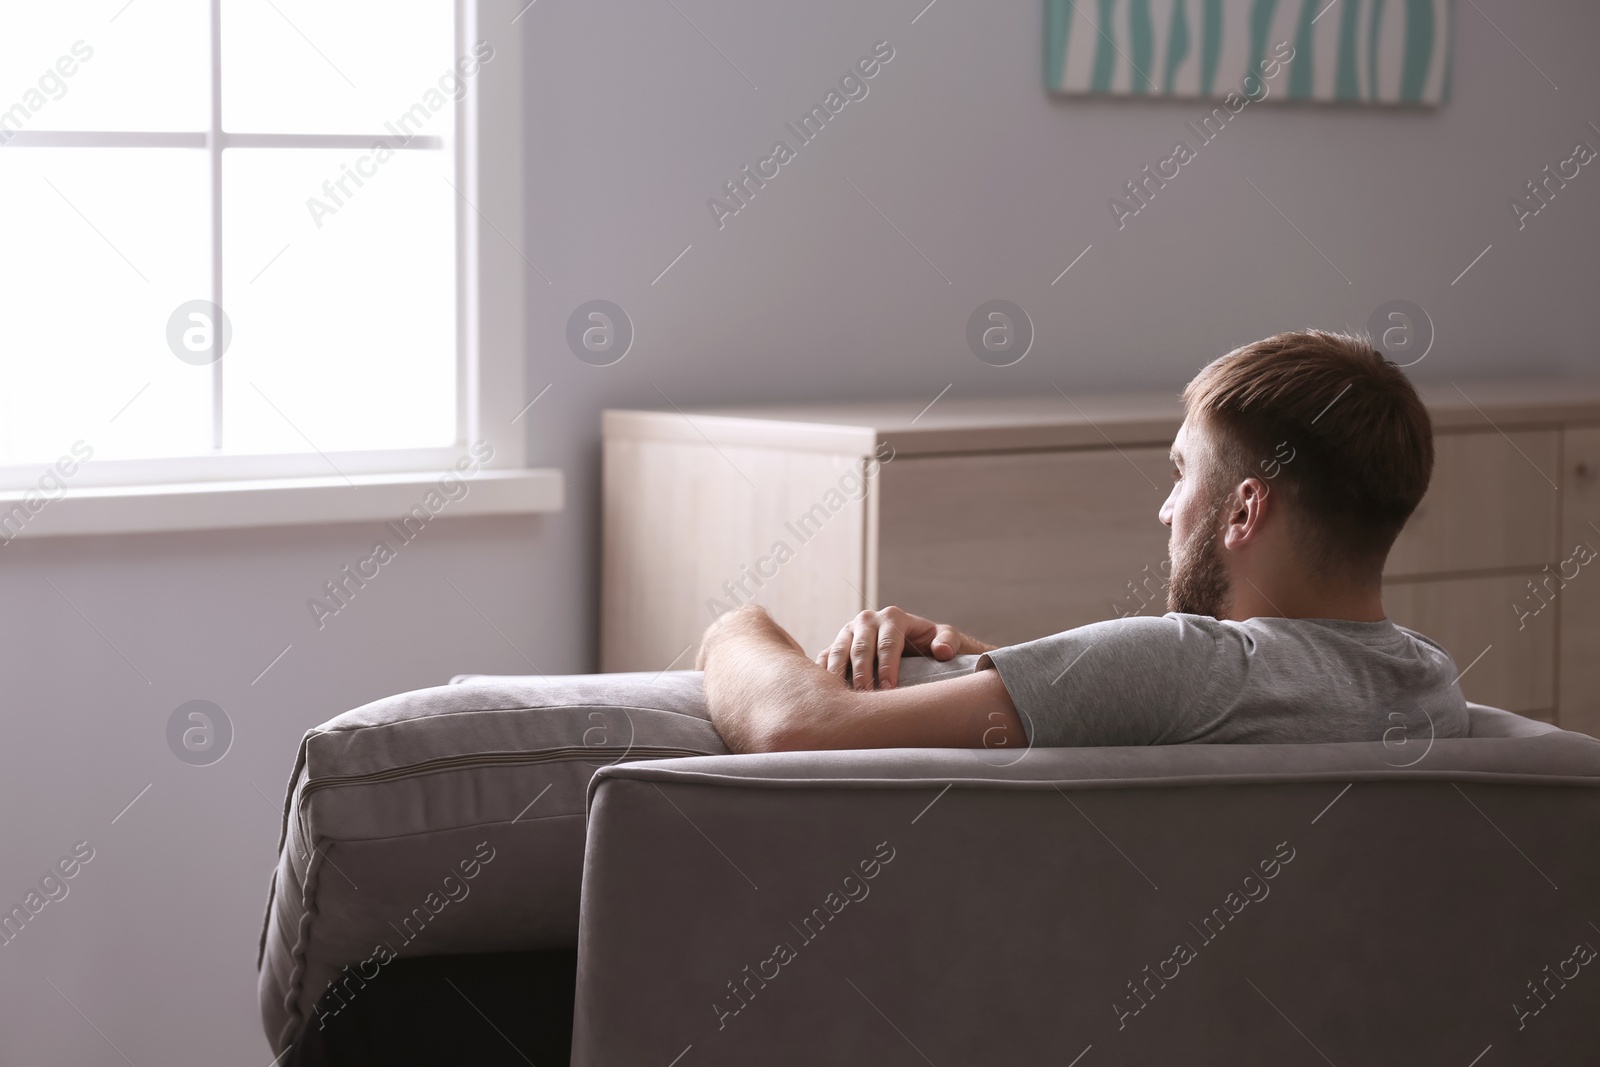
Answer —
1013 547
690 529
1493 502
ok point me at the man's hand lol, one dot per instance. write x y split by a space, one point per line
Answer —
872 644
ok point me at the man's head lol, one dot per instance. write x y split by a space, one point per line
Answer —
1299 460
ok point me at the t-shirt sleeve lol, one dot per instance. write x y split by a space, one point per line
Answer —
1139 680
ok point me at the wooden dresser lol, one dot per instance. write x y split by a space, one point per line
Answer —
1018 518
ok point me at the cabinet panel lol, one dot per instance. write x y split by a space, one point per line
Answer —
1015 546
689 527
1579 599
1469 615
1492 503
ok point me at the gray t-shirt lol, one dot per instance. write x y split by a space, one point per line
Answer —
1144 680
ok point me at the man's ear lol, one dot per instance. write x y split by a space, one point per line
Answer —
1248 507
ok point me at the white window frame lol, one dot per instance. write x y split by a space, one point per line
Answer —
223 490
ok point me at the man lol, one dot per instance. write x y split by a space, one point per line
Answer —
1299 459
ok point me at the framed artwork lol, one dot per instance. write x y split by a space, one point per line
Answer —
1388 52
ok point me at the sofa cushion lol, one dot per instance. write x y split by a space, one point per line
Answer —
450 820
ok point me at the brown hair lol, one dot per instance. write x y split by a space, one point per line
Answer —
1329 421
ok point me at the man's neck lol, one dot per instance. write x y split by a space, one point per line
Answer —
1251 600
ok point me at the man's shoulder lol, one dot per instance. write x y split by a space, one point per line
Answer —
1128 640
1170 623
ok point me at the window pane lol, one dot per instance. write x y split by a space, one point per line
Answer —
100 247
309 66
343 324
104 65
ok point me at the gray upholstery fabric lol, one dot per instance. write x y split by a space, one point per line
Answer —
1031 911
386 804
1492 722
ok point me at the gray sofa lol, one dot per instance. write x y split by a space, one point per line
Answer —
1400 901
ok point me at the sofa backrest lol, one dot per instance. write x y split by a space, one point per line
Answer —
1195 904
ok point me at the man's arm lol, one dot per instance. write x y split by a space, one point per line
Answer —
766 696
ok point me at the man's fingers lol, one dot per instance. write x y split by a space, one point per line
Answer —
861 650
891 645
946 642
839 652
872 645
919 633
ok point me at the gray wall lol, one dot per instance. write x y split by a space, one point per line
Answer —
635 120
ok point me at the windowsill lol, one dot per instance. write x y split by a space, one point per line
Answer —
278 502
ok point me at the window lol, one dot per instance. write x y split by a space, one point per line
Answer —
243 239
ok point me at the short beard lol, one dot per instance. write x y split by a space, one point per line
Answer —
1199 584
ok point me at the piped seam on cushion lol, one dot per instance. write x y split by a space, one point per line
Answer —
430 716
297 955
501 758
483 759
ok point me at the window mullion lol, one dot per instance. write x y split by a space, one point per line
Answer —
214 164
467 376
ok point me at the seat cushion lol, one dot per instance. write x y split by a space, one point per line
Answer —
451 820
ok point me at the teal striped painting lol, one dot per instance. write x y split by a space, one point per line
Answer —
1340 51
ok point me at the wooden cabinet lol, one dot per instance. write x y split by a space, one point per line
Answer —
690 528
1022 544
1462 564
1018 518
1492 503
